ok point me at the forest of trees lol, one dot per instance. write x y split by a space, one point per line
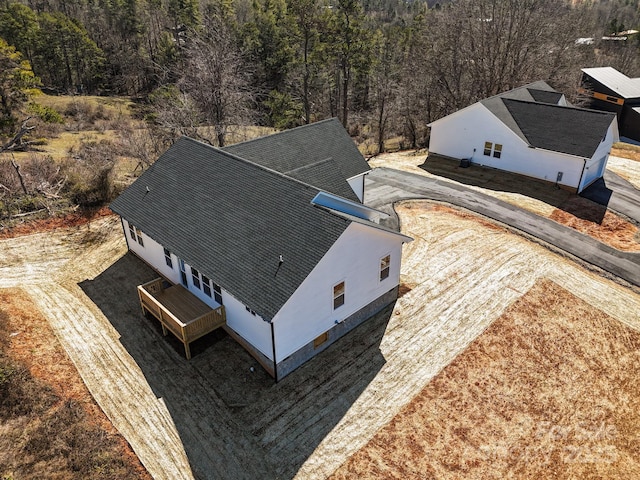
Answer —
386 68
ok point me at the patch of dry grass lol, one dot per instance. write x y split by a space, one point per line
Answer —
598 222
50 427
626 150
549 390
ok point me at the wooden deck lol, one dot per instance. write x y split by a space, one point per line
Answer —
179 311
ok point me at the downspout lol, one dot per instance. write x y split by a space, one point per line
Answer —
273 344
584 166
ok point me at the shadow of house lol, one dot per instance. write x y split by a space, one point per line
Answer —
598 192
503 181
233 420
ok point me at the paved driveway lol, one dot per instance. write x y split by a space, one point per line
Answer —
616 193
386 186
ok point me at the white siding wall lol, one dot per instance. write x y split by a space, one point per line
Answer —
153 254
357 184
251 327
460 133
598 163
354 259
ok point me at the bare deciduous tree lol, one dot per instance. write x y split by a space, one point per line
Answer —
216 78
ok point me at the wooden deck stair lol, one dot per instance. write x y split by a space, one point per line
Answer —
179 311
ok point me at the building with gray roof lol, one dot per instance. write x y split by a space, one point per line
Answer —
263 231
533 131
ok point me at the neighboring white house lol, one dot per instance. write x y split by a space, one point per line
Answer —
531 131
295 265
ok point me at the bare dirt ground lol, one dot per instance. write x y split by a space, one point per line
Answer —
214 418
50 426
549 390
533 195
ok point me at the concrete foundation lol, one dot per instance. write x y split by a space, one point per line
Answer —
289 364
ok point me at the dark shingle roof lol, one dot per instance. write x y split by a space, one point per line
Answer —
544 96
575 131
532 113
232 219
321 154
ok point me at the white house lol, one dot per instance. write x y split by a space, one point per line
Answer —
293 263
531 131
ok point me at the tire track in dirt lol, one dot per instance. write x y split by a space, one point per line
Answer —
463 274
47 266
457 293
115 381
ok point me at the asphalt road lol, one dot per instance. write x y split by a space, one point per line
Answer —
386 186
617 194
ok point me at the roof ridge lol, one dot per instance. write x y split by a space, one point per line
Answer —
526 87
280 132
310 165
258 166
570 107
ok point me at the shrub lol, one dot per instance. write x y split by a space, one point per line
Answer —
90 173
46 114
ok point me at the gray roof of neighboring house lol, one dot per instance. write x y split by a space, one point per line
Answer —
232 219
544 124
321 154
617 81
575 131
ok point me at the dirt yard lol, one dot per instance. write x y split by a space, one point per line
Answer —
213 416
50 426
536 196
549 390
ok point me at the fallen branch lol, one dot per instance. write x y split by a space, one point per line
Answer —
17 138
18 215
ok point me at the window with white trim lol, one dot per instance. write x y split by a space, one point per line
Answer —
338 295
136 234
217 293
385 264
195 277
492 149
167 258
183 272
206 285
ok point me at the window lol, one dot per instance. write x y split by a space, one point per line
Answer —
497 150
183 273
136 234
217 293
384 267
250 311
206 285
167 258
487 148
195 276
338 295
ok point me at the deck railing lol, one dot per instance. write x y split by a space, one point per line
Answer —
187 331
